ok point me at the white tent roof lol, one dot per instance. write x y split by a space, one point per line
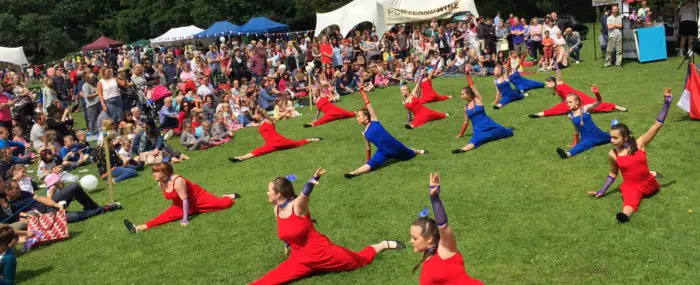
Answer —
13 55
177 34
348 16
386 13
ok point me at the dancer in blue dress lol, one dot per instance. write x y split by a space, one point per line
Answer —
584 126
505 94
485 129
388 147
523 84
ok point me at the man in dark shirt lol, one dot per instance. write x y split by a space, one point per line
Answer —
402 43
25 201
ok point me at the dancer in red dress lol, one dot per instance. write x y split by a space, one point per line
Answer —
421 113
273 140
442 262
188 199
629 157
331 112
429 95
311 251
562 90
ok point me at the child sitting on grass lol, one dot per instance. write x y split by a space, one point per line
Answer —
8 260
71 154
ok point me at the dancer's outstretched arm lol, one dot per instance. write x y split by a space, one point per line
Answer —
181 190
644 139
435 68
301 203
558 77
477 95
448 244
465 124
598 99
575 132
368 150
611 176
498 95
368 105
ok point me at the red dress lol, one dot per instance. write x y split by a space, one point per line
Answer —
311 252
331 112
438 271
421 113
563 90
428 94
201 201
273 140
637 181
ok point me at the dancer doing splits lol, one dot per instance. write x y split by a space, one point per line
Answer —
331 112
580 116
311 251
273 140
629 156
421 113
522 84
505 94
426 84
562 90
387 146
188 199
442 262
485 129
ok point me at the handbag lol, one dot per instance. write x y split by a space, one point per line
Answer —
53 226
148 158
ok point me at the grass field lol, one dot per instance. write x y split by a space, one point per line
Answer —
521 214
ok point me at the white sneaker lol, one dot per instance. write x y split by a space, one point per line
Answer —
681 53
577 62
168 135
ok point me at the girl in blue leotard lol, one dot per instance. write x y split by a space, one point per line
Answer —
522 84
584 126
485 129
387 146
505 94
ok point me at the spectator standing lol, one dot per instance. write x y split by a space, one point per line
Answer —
614 25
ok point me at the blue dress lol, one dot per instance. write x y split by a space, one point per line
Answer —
485 129
523 84
508 95
387 146
590 134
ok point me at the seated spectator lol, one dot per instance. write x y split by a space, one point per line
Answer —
36 136
168 115
151 142
120 171
71 154
27 201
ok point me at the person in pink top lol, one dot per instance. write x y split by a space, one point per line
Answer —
5 104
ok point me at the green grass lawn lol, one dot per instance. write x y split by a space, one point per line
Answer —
521 214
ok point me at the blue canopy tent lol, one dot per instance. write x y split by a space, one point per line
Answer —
217 29
261 25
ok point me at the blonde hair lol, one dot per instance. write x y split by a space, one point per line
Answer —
107 125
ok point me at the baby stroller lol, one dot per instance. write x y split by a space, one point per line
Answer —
153 105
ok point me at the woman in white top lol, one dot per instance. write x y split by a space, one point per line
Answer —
48 93
110 98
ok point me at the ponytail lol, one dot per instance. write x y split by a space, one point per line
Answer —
427 254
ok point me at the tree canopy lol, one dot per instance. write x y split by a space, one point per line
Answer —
50 29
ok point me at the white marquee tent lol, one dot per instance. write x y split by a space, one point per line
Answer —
13 55
177 34
386 13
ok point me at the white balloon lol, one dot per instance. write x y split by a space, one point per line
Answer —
88 182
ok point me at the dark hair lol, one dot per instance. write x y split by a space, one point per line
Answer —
468 90
428 228
7 235
626 135
366 113
551 79
283 186
44 155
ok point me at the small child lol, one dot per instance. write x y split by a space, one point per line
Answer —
219 132
126 155
71 154
285 109
187 137
50 141
19 138
548 45
26 184
107 126
8 260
